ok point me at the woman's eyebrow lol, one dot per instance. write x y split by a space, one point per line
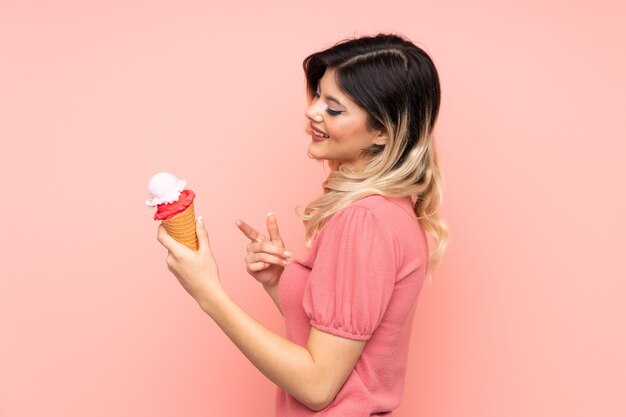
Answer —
331 98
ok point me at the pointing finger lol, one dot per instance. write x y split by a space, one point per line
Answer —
272 229
250 232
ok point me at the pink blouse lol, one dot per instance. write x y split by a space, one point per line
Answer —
361 280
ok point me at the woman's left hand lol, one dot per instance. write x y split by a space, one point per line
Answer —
196 271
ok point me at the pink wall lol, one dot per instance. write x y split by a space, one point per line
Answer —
525 316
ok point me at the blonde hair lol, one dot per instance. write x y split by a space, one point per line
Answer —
407 164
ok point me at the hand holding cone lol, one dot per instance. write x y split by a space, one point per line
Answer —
175 207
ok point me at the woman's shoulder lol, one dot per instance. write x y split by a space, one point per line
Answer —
386 217
386 206
374 210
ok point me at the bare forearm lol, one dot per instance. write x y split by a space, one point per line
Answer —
287 364
273 292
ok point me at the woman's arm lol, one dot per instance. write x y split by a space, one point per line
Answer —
273 292
312 374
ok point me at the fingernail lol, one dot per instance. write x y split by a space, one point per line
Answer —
286 263
200 220
270 213
287 253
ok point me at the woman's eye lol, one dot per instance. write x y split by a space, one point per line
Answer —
332 112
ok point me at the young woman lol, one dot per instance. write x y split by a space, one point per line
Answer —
348 304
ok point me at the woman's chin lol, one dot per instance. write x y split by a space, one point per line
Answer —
314 151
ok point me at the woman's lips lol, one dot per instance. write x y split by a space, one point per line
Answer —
317 138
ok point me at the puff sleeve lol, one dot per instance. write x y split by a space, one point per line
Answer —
353 275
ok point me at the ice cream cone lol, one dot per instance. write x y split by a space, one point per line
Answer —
182 227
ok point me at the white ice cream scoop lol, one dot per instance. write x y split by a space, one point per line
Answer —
164 188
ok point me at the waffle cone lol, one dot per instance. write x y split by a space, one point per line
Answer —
182 227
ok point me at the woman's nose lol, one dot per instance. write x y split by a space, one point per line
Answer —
313 111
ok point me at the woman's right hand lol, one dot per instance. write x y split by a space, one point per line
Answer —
265 260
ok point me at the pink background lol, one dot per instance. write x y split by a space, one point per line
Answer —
526 313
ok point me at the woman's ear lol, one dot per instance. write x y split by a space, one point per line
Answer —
380 138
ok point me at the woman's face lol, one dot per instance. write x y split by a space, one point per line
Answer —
344 122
